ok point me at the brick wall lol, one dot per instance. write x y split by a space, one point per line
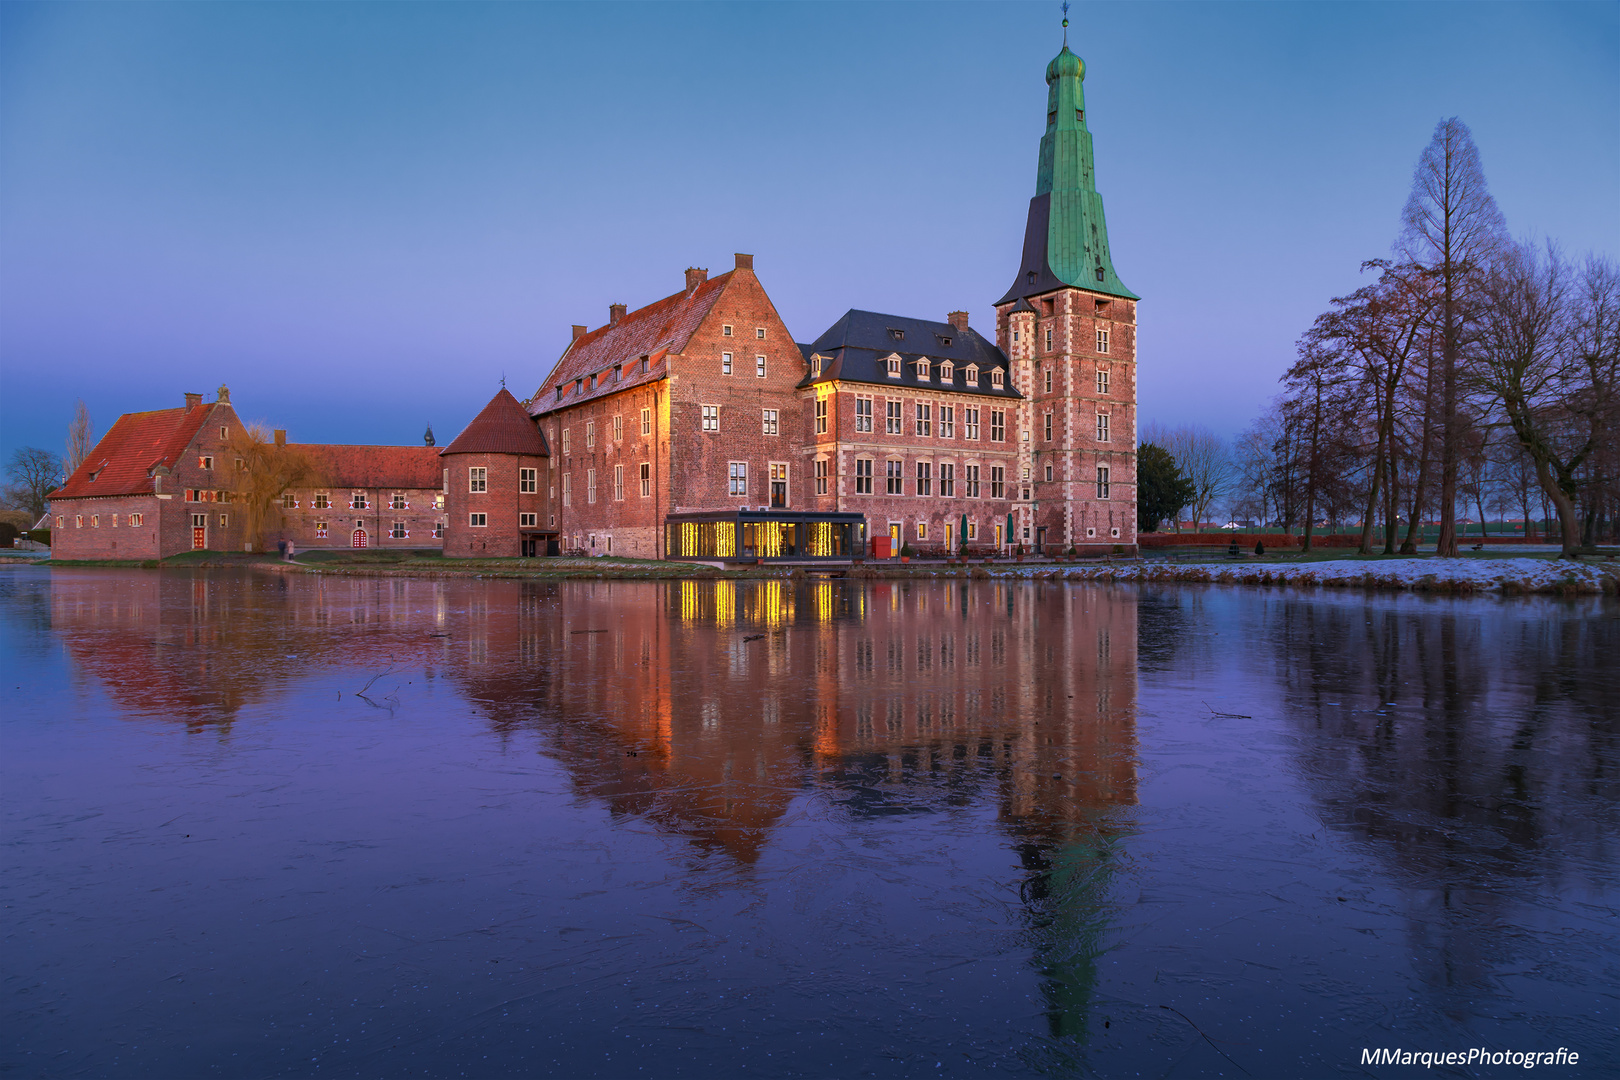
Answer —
302 521
501 502
628 525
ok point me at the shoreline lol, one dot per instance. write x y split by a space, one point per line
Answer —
1507 576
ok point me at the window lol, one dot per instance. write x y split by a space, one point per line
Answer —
972 374
240 465
971 482
973 530
478 478
568 489
398 502
590 434
815 367
923 368
357 501
863 414
759 332
644 365
618 372
737 478
528 481
618 428
224 520
922 530
896 479
821 476
725 331
725 363
1049 474
78 520
947 370
759 366
224 433
590 486
821 416
438 501
863 476
289 501
970 423
891 417
323 500
398 531
95 521
1102 481
925 481
894 366
711 418
947 480
61 521
438 530
1102 382
925 419
618 483
646 480
528 521
947 421
135 520
1102 427
898 335
1102 340
1048 380
205 462
565 440
998 425
768 421
646 421
1047 430
477 521
998 481
320 530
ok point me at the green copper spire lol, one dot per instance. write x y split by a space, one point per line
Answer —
1066 209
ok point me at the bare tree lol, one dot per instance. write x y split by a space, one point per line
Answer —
265 468
34 474
1451 229
1203 459
80 441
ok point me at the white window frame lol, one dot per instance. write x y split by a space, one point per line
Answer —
528 481
821 476
618 429
590 486
1102 482
759 333
398 531
947 371
759 366
924 419
821 416
737 479
970 482
711 417
894 365
863 479
769 424
618 483
893 417
998 425
528 521
998 379
1102 380
1102 339
477 521
725 363
972 374
924 369
1102 427
863 420
477 480
646 421
970 423
925 479
646 479
947 480
590 434
894 477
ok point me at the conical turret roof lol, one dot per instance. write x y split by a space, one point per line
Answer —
503 427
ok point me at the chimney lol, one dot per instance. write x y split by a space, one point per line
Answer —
744 262
281 437
958 319
224 394
579 332
193 400
615 313
695 277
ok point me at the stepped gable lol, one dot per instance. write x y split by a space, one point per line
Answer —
123 461
503 427
344 466
858 345
655 331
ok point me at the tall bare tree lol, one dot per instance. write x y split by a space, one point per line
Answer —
1451 229
265 468
34 474
80 441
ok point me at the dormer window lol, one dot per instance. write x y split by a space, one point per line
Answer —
1032 277
644 364
1099 273
947 371
559 393
923 369
972 374
591 382
815 367
1051 118
997 379
579 385
898 335
894 365
618 372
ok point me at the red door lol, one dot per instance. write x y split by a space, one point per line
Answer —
199 538
359 539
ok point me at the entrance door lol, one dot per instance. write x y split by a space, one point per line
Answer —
894 539
1040 540
1000 534
199 531
779 479
950 537
359 539
528 548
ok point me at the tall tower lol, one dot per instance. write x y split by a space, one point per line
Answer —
1068 324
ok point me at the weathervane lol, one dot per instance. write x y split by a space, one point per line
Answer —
1065 24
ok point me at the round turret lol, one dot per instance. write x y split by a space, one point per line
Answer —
1065 63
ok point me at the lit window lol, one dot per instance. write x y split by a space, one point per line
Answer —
973 530
768 421
478 479
320 530
863 476
711 418
1102 427
922 530
759 366
528 481
477 521
737 478
863 414
224 520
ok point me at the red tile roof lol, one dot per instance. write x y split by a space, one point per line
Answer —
137 443
400 467
504 427
654 331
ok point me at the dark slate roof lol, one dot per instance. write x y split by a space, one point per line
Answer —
503 427
123 461
662 327
342 465
857 346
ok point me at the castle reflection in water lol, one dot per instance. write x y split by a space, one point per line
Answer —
706 706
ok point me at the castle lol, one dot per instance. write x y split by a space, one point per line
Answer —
696 427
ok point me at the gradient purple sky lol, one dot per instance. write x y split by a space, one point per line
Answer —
359 216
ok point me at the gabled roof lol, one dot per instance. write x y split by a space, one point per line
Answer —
339 465
654 331
855 348
503 427
123 461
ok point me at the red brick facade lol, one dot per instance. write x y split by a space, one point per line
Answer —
367 497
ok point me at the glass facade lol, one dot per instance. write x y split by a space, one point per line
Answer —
750 535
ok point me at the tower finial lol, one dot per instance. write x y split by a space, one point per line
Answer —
1065 24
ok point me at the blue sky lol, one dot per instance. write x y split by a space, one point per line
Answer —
360 216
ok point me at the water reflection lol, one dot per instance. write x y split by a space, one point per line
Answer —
1102 786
